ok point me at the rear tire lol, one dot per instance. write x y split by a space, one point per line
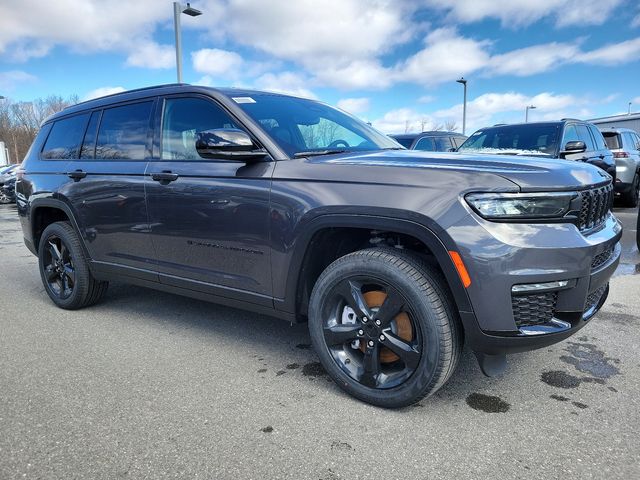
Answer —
64 269
396 363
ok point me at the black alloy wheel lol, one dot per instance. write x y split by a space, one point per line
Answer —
64 268
59 271
385 326
369 331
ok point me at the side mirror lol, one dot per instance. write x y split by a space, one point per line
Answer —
452 149
228 143
574 147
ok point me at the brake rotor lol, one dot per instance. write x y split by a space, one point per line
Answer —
403 328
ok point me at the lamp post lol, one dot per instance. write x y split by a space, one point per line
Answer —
628 112
192 12
464 104
526 112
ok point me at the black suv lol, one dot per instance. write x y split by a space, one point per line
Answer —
433 141
289 207
568 139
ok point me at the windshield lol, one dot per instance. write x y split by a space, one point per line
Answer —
300 126
519 139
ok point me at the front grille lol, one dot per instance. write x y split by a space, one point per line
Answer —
536 309
594 298
601 258
594 206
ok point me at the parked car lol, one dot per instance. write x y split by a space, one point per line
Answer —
625 145
289 207
434 141
7 184
567 139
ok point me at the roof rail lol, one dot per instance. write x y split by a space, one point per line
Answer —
574 119
141 89
500 124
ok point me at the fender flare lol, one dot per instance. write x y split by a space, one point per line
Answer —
433 236
60 205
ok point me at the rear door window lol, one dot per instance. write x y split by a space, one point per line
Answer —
88 149
124 132
64 139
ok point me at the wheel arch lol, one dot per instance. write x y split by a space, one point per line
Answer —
300 280
45 211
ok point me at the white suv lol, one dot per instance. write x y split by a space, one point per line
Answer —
625 145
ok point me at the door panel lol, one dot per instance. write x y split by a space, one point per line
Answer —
210 225
107 193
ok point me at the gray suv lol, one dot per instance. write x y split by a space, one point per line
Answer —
291 208
625 145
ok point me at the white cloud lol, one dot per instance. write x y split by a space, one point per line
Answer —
426 99
517 13
403 120
613 54
12 78
152 55
446 56
636 21
531 60
102 92
285 82
368 74
217 63
354 105
31 28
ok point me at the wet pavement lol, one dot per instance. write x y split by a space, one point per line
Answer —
151 385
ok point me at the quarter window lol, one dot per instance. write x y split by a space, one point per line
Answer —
89 143
182 119
64 139
123 132
585 136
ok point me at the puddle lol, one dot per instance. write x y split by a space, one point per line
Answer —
313 369
487 403
588 359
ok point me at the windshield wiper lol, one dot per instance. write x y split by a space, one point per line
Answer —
313 153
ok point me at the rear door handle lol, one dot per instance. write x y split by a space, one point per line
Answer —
77 175
164 177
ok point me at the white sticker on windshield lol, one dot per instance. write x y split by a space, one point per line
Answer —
243 100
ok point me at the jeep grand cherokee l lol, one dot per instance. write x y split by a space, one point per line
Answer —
568 139
289 207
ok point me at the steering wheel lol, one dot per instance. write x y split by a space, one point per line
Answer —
337 143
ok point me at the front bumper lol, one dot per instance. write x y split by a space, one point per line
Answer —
503 255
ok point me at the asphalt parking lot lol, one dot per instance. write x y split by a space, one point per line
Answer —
151 385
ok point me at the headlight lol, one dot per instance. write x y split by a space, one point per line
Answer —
521 205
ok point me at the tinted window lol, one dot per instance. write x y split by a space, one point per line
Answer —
123 132
597 136
65 136
570 135
443 144
305 125
613 140
527 138
585 136
425 144
405 142
182 119
630 142
88 149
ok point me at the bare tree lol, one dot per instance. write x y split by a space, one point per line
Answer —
20 121
450 126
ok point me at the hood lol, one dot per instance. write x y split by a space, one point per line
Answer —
529 173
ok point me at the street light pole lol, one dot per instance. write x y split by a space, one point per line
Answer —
526 112
464 104
628 113
177 10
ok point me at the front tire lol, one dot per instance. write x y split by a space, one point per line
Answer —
64 269
385 327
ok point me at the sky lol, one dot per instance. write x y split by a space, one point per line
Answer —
392 63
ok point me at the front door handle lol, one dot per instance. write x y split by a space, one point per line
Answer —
77 175
165 177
